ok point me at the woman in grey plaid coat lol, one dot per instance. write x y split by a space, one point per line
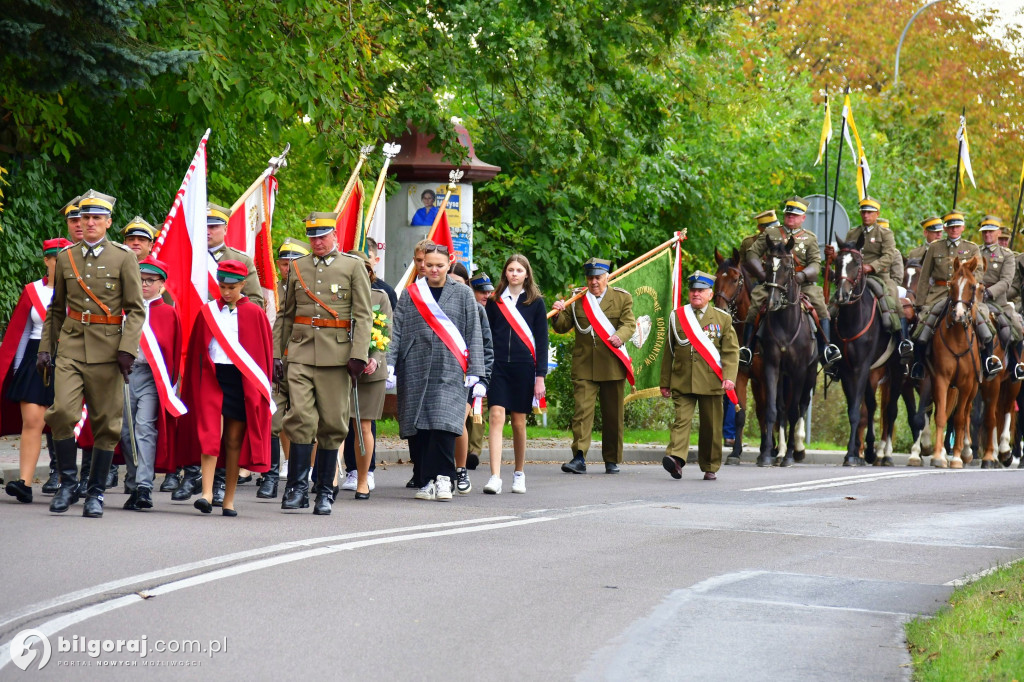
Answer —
430 381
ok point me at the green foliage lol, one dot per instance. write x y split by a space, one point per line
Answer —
558 383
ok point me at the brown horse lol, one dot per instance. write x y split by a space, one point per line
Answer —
999 398
954 362
732 294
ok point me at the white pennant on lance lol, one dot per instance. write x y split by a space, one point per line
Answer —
699 340
516 320
164 386
603 330
438 321
239 356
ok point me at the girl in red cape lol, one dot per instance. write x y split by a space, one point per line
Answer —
217 384
25 396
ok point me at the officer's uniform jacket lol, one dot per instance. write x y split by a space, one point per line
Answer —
111 272
591 359
880 253
805 250
340 281
251 289
917 253
937 268
684 370
998 277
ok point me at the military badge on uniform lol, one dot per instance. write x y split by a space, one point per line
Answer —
334 288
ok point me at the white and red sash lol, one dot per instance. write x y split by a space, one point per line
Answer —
699 340
35 295
516 320
238 355
81 422
149 345
436 318
603 330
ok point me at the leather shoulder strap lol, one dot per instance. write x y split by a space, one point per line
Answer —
85 287
302 283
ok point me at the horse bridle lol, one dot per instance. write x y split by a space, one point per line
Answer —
969 304
859 278
791 281
729 302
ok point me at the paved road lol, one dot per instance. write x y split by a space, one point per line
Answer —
793 574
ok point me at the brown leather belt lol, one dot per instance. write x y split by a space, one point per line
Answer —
941 282
86 318
799 268
322 322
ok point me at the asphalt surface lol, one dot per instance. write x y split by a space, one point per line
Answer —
765 574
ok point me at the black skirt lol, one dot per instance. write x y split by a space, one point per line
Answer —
511 386
26 386
230 380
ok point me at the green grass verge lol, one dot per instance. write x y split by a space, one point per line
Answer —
978 636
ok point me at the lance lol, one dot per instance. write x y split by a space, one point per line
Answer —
364 153
1016 216
275 164
835 200
390 151
959 156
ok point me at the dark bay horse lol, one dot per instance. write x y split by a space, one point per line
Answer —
788 354
918 416
868 356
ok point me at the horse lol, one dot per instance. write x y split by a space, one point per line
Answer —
998 400
868 356
954 362
732 294
788 355
919 415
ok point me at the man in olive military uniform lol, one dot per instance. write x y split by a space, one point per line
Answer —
96 315
896 270
324 327
998 279
879 255
138 235
932 292
290 250
1004 238
596 370
808 266
689 379
763 220
932 227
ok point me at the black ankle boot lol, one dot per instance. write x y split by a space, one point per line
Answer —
326 466
66 452
191 483
53 482
220 486
111 477
268 484
171 482
101 459
296 490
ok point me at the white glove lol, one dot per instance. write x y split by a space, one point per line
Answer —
471 380
389 383
479 390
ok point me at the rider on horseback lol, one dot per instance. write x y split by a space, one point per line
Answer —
879 258
808 260
932 293
998 279
932 233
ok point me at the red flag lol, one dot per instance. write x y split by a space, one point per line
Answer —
442 235
182 242
350 220
249 231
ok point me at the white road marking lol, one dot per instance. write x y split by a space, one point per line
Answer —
841 480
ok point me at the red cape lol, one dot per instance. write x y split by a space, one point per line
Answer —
166 325
10 413
200 391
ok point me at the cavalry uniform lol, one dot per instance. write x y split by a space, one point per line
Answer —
96 315
896 269
931 224
324 327
216 216
692 381
998 279
596 370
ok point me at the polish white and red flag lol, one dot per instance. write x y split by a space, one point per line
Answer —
249 231
182 243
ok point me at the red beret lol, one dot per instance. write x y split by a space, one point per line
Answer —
231 271
154 265
53 246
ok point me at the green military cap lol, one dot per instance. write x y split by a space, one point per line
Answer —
70 209
216 215
292 249
319 223
1004 232
94 203
868 204
990 222
953 219
932 224
597 266
138 227
766 218
701 280
796 205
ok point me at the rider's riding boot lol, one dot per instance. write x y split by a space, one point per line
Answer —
906 345
917 371
1013 359
993 365
747 350
829 352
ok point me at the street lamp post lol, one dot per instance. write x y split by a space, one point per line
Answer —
899 45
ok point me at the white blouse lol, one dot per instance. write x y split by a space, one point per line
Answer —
230 326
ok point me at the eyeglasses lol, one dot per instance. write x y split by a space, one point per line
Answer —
148 280
436 248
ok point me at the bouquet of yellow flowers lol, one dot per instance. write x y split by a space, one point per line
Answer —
379 340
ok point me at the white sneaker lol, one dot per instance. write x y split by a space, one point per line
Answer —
444 488
493 486
519 482
351 480
369 480
428 492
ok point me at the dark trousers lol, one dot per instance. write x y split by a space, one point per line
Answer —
350 449
433 454
729 421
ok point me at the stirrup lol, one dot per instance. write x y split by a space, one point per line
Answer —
832 354
917 371
906 348
746 357
993 365
1018 371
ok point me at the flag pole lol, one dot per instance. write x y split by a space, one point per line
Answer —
628 266
959 155
275 164
364 153
390 151
1016 216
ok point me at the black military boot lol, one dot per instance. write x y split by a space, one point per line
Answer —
83 476
993 365
1013 359
296 489
111 477
747 349
268 484
326 466
906 347
20 490
220 486
917 371
191 483
578 465
67 494
101 459
828 351
171 482
53 482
